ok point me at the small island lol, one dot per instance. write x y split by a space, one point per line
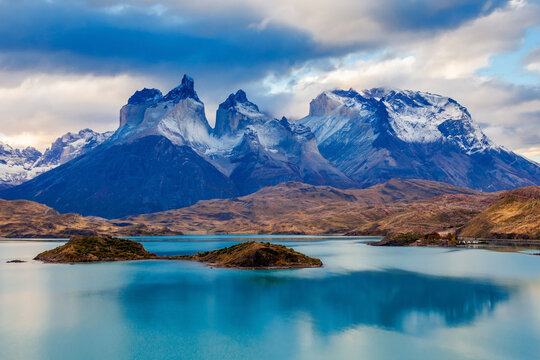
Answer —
256 255
416 239
246 255
87 249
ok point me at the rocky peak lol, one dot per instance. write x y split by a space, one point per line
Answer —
30 153
183 91
70 146
412 116
235 114
145 96
234 99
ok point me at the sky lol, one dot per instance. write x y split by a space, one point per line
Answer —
66 65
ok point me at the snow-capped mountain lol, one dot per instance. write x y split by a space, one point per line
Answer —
20 165
378 134
179 116
164 155
71 145
16 165
236 114
267 151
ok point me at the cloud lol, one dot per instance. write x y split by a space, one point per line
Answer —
69 36
69 64
446 64
37 109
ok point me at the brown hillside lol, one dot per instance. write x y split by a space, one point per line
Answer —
515 214
288 208
299 208
22 218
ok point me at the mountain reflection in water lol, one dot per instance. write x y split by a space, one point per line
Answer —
249 301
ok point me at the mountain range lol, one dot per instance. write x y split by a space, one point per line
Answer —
380 134
165 155
20 165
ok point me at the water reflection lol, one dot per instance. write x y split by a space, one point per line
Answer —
249 301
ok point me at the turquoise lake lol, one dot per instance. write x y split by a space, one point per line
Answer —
365 303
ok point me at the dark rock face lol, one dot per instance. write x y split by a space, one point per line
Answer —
380 134
148 175
185 90
145 95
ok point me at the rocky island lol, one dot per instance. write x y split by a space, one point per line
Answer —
86 249
246 255
256 255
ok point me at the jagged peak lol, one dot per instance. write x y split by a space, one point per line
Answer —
285 123
144 96
5 146
185 90
239 98
351 93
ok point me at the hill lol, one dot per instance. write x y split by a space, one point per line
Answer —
84 249
306 209
256 255
515 214
23 218
397 206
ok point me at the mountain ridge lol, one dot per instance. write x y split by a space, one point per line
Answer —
20 165
411 134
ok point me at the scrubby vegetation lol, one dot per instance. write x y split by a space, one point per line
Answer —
254 255
81 249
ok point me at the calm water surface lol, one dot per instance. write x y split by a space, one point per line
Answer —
366 303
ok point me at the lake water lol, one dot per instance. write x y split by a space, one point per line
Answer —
365 303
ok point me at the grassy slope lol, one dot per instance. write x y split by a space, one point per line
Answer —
393 207
22 218
300 208
515 214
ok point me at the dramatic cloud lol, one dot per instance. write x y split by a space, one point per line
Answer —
70 64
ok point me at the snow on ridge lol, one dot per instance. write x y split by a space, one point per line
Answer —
415 117
20 165
248 109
